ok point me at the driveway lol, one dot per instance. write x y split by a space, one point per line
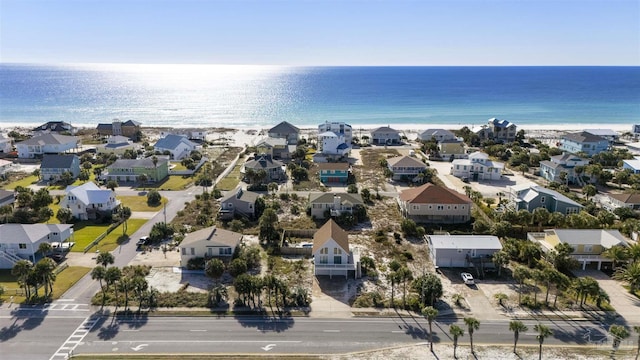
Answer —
626 305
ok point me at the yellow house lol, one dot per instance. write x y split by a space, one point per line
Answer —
588 244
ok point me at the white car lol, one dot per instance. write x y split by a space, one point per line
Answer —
467 278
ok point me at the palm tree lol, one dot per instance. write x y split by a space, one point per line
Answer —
45 270
140 286
521 273
430 313
21 270
543 333
98 273
619 333
125 285
634 252
105 258
500 259
44 248
517 327
501 297
404 275
630 274
111 277
617 254
472 325
456 332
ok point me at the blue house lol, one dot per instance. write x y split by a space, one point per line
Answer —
333 172
583 142
565 163
633 165
531 197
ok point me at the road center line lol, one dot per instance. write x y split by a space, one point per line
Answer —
331 331
197 330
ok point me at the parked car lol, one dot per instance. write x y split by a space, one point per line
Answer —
143 241
57 257
467 278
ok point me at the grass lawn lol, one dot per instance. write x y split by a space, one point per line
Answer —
55 207
139 203
66 278
11 287
230 181
116 238
177 166
85 232
172 183
31 179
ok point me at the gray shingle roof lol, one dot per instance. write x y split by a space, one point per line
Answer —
327 198
136 163
284 128
172 141
49 139
214 237
50 161
583 137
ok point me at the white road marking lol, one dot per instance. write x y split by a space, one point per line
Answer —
69 345
398 331
197 330
331 331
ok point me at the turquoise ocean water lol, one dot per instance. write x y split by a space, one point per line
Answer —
240 96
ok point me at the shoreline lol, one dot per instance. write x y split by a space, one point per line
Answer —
619 127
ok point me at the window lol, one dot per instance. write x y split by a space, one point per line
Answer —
337 251
415 207
184 251
542 199
337 259
324 251
440 207
193 251
588 248
224 251
22 246
324 259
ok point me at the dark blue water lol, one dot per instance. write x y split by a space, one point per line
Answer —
218 95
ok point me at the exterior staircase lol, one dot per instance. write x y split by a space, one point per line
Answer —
13 259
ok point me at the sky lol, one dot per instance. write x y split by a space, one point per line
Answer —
322 32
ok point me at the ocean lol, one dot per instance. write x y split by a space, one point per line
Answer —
261 96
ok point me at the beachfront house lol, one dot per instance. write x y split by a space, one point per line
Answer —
588 244
88 201
53 166
583 142
273 170
437 135
60 127
461 251
5 144
552 169
499 131
334 173
385 135
191 134
277 148
331 253
325 205
530 197
21 241
128 170
176 146
339 128
611 135
240 202
405 168
211 242
49 143
477 167
129 128
434 204
286 131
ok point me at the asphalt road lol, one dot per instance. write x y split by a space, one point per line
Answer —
34 334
